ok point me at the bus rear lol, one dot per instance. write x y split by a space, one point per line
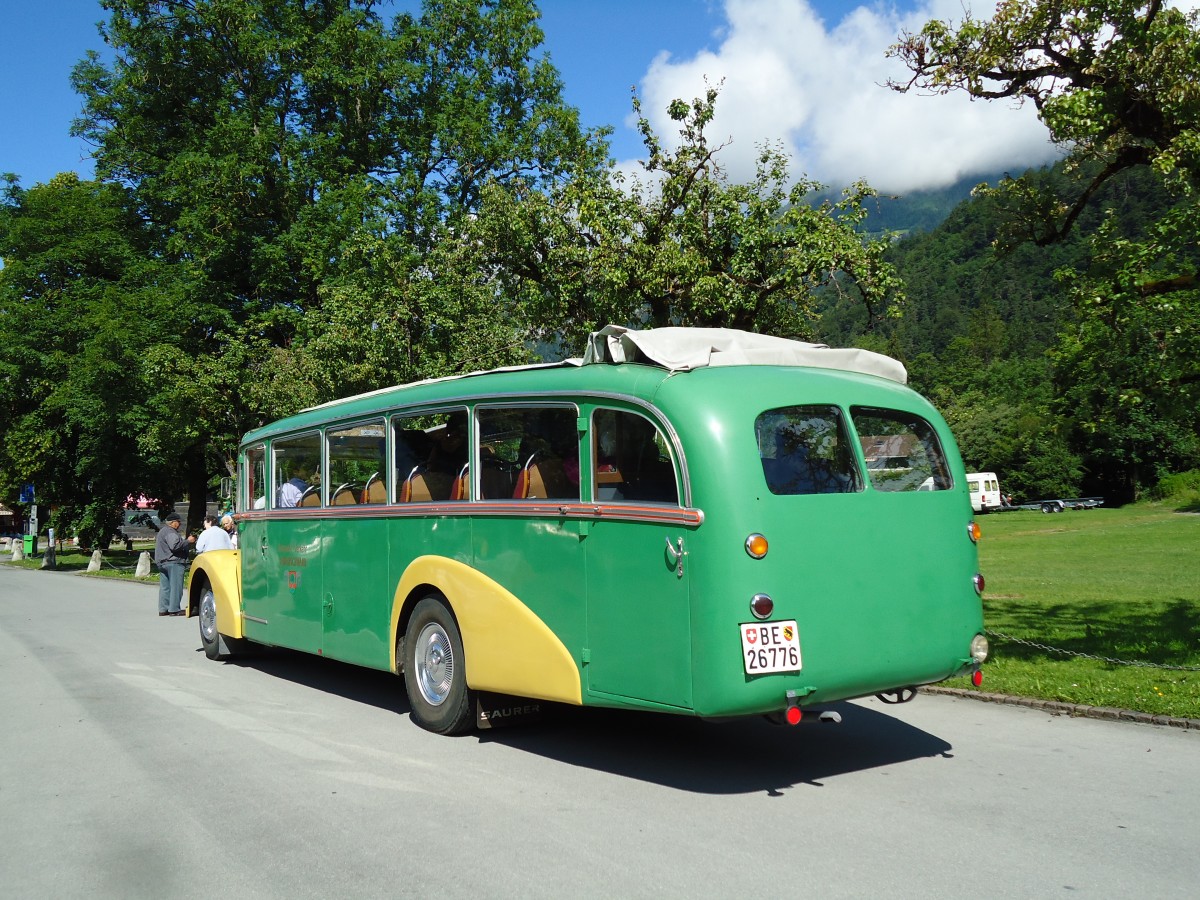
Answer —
817 576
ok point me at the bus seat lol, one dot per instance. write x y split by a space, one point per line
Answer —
311 497
461 489
345 495
495 482
375 491
414 488
542 479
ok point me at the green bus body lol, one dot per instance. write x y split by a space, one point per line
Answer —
645 600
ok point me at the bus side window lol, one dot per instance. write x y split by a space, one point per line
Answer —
529 453
297 471
356 460
631 459
431 456
255 478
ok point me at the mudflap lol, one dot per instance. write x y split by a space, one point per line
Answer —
500 710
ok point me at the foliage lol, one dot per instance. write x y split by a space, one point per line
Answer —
293 178
681 245
1115 84
1113 80
79 301
1182 488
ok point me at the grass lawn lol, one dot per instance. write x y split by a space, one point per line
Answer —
1118 584
116 563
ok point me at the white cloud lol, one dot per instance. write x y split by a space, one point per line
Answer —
790 79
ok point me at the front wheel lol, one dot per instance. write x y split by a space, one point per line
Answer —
210 638
435 673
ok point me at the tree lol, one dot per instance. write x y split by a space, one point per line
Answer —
681 245
301 166
1114 83
1112 80
80 300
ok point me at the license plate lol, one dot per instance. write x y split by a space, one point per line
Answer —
770 647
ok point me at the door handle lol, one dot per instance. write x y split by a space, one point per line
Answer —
675 555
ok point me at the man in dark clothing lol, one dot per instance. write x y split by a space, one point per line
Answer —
171 552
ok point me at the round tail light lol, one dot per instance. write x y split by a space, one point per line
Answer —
761 605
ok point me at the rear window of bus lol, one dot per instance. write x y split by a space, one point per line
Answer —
901 450
806 450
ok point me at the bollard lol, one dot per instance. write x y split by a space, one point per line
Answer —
18 551
48 559
143 565
97 559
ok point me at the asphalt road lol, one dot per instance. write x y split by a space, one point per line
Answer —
132 766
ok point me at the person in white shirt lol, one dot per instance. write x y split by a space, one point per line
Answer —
213 537
230 529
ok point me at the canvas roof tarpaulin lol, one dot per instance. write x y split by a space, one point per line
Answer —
683 349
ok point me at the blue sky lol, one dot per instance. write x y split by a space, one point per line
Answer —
804 75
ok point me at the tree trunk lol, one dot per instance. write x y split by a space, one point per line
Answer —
197 488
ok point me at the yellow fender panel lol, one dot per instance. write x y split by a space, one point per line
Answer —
509 650
224 571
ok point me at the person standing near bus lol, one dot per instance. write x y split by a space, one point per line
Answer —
213 537
230 530
171 552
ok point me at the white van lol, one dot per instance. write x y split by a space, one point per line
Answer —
985 491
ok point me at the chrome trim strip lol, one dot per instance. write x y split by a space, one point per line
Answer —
518 509
249 618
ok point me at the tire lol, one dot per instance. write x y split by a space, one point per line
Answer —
435 673
210 638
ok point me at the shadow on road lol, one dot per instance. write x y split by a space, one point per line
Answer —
732 757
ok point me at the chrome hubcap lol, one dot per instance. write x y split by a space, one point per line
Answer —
435 664
208 616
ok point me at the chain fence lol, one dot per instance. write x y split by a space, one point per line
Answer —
1080 655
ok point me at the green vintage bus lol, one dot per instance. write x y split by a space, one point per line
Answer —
685 520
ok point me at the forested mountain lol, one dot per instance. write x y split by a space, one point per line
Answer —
916 212
982 327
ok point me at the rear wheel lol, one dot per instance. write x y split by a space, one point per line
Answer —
435 674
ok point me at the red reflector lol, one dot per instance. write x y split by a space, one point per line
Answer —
793 715
977 678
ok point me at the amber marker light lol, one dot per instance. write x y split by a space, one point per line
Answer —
756 545
974 532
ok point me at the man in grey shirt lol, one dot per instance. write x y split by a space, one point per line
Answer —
171 553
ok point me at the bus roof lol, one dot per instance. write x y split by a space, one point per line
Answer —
663 350
684 349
